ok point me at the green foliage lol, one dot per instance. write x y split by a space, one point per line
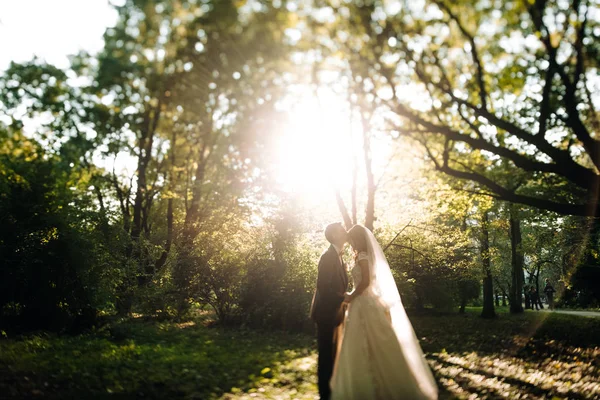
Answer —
188 95
435 260
277 291
53 273
532 354
153 360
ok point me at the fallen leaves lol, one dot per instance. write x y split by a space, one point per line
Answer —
529 356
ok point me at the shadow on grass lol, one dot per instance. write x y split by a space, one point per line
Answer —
533 354
138 359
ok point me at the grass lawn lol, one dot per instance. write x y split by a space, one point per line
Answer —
533 355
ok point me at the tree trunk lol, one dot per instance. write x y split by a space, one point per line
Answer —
144 157
134 252
104 225
123 203
186 261
516 305
537 288
593 243
488 284
354 188
371 187
419 303
343 210
353 193
165 253
463 304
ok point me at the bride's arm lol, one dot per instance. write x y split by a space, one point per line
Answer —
364 282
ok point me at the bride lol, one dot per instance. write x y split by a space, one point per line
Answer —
379 356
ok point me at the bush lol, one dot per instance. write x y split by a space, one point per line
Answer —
584 291
278 295
53 273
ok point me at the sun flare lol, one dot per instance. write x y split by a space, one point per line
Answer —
315 152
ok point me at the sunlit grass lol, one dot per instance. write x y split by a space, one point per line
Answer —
537 355
543 355
140 359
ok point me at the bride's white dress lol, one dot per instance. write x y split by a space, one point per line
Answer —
379 356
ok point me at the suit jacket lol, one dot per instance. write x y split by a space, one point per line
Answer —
332 283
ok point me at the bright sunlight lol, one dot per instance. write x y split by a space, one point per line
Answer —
315 151
169 168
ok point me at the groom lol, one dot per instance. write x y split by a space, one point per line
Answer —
327 307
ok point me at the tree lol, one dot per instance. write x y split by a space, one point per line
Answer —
516 305
175 73
530 109
494 96
488 283
54 273
340 56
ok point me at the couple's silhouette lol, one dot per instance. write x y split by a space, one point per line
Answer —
367 347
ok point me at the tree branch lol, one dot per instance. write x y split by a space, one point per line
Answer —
575 175
396 237
591 145
480 73
507 195
566 166
413 249
545 104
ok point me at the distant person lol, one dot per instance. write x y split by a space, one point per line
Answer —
527 297
549 290
534 298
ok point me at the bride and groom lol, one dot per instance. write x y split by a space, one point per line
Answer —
367 347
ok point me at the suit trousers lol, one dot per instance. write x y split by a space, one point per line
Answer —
327 346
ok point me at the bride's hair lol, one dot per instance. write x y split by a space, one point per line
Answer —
358 237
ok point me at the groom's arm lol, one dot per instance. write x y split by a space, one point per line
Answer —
325 279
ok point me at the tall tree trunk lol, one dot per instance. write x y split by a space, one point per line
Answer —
463 303
165 253
354 169
123 202
103 216
169 241
353 194
145 155
593 242
371 187
343 210
517 275
186 261
488 284
141 206
134 250
537 288
419 302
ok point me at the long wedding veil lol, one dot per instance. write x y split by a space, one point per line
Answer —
383 287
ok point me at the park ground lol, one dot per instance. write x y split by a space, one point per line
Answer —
535 355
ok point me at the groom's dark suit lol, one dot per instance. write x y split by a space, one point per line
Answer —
326 311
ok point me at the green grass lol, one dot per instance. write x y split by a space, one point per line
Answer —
540 355
543 355
145 359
